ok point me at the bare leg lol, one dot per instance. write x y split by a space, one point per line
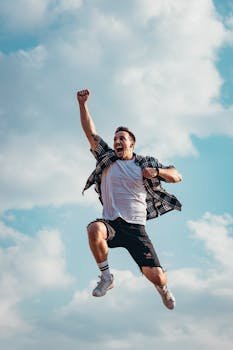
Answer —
155 275
159 280
97 235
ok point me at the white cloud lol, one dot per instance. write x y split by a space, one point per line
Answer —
33 58
150 66
200 293
42 174
29 265
216 279
126 282
215 231
152 70
23 15
68 5
11 321
175 87
132 312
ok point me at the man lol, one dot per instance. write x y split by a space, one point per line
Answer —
129 189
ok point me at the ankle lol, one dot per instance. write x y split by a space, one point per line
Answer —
104 268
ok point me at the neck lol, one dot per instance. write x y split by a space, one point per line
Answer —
128 157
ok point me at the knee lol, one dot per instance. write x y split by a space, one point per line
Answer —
155 275
96 232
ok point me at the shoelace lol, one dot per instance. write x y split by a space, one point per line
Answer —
102 280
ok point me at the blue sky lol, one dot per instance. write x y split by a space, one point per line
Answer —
165 69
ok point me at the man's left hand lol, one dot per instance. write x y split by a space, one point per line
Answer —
150 173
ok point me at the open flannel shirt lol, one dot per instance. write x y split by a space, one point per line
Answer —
158 200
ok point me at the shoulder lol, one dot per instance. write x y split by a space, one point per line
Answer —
101 147
146 161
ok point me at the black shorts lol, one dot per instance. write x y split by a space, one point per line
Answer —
134 238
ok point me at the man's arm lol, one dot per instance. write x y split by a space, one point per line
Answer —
86 120
168 174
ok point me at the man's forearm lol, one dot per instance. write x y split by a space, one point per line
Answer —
170 174
86 121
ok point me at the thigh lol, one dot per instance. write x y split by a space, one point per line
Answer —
116 240
101 226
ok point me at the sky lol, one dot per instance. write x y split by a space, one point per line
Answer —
164 69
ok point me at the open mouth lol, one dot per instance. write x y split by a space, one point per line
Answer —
119 149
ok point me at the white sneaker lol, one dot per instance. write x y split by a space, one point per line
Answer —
167 297
103 286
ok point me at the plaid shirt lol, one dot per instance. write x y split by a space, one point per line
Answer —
158 200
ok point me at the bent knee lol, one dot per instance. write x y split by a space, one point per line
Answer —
155 275
97 230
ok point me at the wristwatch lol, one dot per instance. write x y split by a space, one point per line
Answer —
157 174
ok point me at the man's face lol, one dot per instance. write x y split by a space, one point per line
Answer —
123 145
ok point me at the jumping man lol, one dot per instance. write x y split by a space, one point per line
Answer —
129 187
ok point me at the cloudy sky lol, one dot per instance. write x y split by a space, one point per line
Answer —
164 68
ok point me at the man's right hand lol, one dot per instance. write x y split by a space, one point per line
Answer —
82 96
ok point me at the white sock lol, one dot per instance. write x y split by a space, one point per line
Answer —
104 268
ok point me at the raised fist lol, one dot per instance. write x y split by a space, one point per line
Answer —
82 96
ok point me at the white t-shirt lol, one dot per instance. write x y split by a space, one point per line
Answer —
123 192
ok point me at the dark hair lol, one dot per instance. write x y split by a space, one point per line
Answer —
124 128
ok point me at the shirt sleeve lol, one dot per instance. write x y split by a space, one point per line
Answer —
101 149
162 166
